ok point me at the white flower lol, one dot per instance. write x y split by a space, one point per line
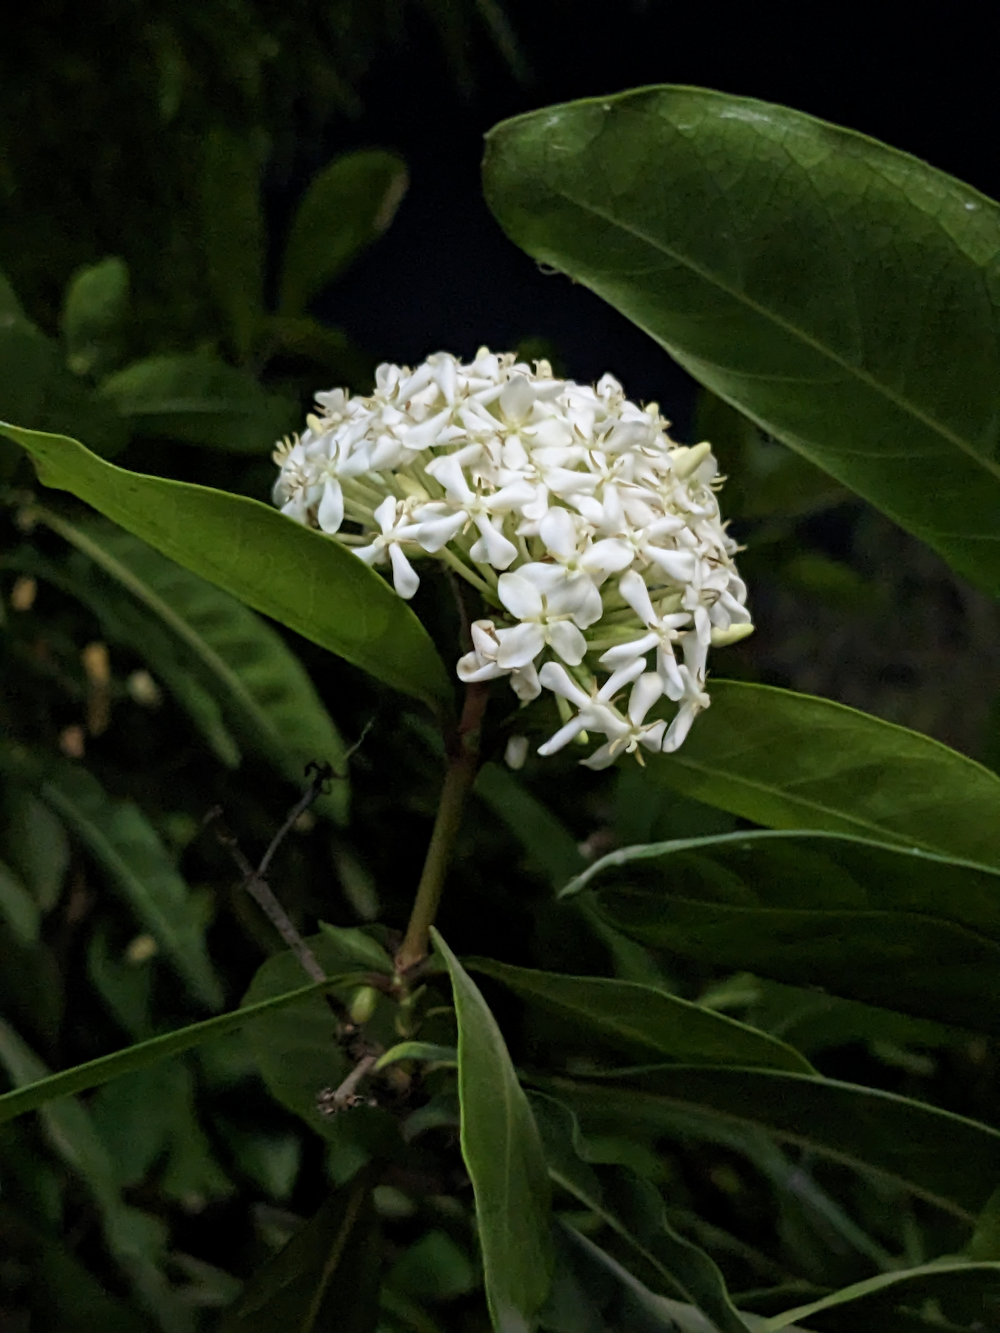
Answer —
594 540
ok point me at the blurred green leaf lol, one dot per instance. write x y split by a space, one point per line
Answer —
144 1054
94 317
129 850
962 1288
503 1155
634 1211
546 840
326 1277
233 234
264 692
18 907
197 399
301 578
348 205
946 1159
792 761
36 844
888 925
835 290
641 1019
435 1268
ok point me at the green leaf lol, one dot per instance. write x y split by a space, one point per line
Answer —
634 1211
94 317
297 1049
263 690
503 1155
313 585
791 761
36 844
962 1288
348 205
835 290
947 1159
38 389
546 840
127 847
232 229
95 1073
642 1019
882 924
427 1051
326 1277
18 907
340 357
198 399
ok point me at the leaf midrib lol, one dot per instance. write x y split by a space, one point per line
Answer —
863 377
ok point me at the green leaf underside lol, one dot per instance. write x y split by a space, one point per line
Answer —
260 684
944 1158
325 1277
840 293
143 1054
792 761
503 1155
633 1209
864 920
644 1019
299 577
963 1286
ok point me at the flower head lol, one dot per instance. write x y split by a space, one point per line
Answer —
595 540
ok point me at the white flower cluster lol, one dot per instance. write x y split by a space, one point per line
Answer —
594 539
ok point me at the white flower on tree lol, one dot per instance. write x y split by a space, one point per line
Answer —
594 540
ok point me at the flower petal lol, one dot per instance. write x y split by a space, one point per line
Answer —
558 531
404 576
557 679
520 595
520 645
568 642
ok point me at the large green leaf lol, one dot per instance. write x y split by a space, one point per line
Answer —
264 693
947 1159
347 206
504 1158
888 925
791 761
232 233
969 1292
326 1277
838 292
81 1078
299 577
199 400
632 1208
643 1020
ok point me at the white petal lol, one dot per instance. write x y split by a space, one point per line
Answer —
484 638
520 595
558 531
678 730
624 653
669 673
385 514
517 398
652 739
370 555
557 679
606 557
568 642
331 508
435 533
471 669
520 645
645 692
525 683
404 576
563 736
603 757
448 471
498 551
632 587
677 565
296 508
623 676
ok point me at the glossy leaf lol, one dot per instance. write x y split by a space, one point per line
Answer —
144 1054
232 233
966 1291
299 577
264 693
792 761
95 315
643 1020
326 1277
633 1209
35 841
17 907
838 292
347 206
198 399
503 1155
947 1159
546 840
864 920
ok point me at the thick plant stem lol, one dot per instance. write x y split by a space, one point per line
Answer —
463 762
